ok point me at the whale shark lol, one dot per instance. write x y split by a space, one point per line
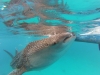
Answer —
42 53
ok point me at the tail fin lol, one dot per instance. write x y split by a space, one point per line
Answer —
9 54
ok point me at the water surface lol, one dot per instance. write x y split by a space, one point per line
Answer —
81 58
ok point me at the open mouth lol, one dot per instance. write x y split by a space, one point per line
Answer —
68 37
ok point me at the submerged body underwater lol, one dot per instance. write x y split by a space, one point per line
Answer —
25 21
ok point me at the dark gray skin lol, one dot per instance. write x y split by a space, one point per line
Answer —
42 53
89 39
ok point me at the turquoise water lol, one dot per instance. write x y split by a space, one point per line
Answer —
80 59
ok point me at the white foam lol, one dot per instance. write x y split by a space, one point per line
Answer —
2 8
97 20
93 31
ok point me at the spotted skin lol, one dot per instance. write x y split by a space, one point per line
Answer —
41 53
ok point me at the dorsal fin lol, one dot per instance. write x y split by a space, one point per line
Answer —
16 52
9 54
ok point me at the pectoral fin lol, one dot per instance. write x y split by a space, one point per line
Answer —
9 54
17 71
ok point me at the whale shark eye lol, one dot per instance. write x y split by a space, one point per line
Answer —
54 43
